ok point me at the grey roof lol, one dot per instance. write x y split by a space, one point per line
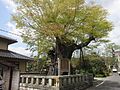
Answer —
8 39
13 55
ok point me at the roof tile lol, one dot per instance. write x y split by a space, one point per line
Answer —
11 54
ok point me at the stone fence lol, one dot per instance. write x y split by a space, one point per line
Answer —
65 82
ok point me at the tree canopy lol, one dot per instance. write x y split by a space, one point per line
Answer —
71 22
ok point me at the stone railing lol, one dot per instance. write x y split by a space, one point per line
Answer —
66 82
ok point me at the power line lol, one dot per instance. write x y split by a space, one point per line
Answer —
9 32
20 35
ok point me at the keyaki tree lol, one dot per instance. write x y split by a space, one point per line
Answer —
64 25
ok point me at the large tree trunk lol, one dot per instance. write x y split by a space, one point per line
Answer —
63 53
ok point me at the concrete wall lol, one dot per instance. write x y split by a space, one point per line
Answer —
6 78
64 66
15 76
15 80
22 66
3 45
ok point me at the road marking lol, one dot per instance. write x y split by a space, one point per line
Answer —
99 84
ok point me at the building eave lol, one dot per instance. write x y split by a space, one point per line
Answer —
8 39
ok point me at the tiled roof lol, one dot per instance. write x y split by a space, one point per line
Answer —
13 55
8 39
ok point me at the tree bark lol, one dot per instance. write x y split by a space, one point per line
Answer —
64 50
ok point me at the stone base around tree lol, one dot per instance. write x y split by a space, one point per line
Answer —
63 82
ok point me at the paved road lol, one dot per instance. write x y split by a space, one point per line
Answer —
109 83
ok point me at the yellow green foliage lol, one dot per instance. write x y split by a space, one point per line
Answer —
73 20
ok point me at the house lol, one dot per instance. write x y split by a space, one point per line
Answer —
11 64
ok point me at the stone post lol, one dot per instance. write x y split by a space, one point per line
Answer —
37 81
50 81
59 67
22 80
31 80
43 81
27 80
69 67
69 80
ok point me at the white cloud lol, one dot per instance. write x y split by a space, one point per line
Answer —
10 5
13 28
114 36
19 47
15 32
113 8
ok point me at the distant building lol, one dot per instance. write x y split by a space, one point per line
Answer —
11 64
117 54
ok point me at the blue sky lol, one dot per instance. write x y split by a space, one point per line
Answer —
7 7
4 16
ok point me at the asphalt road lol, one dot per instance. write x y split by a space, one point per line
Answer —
109 83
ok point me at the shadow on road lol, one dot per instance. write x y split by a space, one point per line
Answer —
96 82
105 85
111 84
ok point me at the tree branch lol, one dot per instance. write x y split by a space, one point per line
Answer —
91 37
